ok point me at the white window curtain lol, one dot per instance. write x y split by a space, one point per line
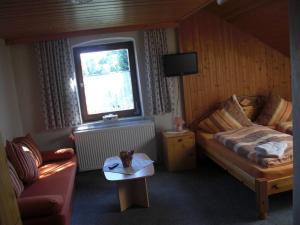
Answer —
155 42
58 87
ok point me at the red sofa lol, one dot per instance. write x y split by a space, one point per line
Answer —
48 201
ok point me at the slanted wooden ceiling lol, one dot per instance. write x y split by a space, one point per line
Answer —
265 19
21 19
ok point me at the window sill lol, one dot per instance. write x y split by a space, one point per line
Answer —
110 124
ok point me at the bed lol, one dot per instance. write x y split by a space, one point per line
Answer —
265 179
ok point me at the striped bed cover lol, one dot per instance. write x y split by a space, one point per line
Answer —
243 141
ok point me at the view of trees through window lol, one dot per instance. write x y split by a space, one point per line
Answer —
104 62
107 81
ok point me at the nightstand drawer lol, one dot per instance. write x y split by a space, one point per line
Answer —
181 138
182 146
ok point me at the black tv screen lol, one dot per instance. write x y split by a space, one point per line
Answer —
180 64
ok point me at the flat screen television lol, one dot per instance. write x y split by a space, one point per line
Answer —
180 64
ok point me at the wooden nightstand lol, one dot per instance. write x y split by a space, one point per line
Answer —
179 150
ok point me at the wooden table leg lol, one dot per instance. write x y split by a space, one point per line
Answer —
133 192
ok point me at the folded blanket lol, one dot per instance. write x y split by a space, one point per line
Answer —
271 149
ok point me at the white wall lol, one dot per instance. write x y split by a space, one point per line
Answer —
27 77
27 83
10 122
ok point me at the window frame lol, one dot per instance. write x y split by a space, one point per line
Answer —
136 111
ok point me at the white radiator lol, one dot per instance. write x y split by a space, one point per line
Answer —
95 145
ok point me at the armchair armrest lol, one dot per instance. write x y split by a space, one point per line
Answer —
39 206
60 154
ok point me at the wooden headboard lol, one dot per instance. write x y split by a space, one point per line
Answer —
230 62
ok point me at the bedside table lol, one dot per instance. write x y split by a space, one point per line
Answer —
179 150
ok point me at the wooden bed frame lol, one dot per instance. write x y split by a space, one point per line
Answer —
263 187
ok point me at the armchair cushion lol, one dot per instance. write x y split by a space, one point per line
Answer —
23 162
28 142
275 111
229 116
39 206
15 180
60 154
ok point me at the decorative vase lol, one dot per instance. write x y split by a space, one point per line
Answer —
179 122
126 158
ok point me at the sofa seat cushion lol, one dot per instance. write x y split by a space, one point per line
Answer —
56 178
38 206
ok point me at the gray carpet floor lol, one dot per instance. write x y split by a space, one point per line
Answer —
205 196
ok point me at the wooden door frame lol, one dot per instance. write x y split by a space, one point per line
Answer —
294 25
9 210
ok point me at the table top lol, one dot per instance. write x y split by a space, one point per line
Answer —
145 172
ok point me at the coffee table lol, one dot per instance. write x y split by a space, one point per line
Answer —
132 189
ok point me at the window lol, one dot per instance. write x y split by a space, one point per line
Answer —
107 80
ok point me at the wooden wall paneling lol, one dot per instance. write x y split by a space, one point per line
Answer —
230 62
9 211
277 66
271 29
187 40
230 10
265 19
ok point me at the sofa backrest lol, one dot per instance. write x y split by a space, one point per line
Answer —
54 139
